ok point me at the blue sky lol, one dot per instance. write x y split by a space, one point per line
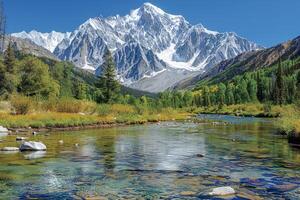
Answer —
266 22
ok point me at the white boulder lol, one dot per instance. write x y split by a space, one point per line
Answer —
33 146
10 149
222 191
3 129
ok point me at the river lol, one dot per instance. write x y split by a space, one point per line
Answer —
169 160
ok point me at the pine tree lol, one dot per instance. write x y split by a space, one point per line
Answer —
108 84
279 93
260 87
9 59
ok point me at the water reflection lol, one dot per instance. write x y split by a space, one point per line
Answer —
35 155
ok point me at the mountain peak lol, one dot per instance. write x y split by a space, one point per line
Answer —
150 7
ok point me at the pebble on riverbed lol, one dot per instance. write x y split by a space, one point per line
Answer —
222 191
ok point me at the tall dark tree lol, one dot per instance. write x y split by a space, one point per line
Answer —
108 83
279 90
10 59
10 67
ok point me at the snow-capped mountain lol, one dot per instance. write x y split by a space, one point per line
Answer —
47 40
146 43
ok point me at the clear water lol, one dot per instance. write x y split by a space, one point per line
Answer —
156 161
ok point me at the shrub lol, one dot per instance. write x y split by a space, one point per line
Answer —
21 105
69 106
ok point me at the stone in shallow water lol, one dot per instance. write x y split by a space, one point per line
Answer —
10 149
33 146
187 193
222 191
283 188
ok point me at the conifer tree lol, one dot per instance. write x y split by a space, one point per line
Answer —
10 66
279 93
108 84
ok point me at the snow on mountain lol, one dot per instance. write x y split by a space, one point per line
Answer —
146 43
47 40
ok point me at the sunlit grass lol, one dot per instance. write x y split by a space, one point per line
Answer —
73 113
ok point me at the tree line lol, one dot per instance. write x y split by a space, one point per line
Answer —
279 84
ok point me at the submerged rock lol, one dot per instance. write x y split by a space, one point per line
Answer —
187 193
283 188
222 191
10 149
33 146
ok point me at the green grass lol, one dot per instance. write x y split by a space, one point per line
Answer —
25 112
249 109
289 123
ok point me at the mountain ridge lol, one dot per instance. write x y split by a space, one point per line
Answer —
170 42
248 61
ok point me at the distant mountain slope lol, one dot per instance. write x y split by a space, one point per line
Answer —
145 43
47 40
28 47
244 62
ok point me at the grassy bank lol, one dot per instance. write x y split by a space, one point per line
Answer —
25 112
289 122
250 109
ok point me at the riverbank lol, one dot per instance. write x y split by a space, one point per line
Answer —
289 124
72 114
74 121
247 110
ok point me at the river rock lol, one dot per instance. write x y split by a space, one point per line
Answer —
60 141
222 191
10 149
33 146
3 129
20 138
